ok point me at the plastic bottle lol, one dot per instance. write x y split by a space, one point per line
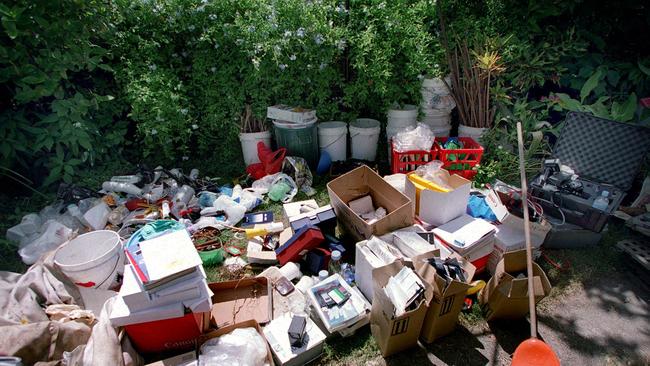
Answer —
122 187
347 271
601 202
335 262
322 275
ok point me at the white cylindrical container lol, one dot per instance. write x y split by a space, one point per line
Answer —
333 138
364 135
436 117
473 132
291 270
402 117
435 94
441 131
94 259
249 145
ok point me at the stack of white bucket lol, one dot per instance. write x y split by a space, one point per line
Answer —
399 120
437 104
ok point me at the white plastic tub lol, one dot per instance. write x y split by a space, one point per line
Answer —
249 145
93 259
333 138
402 117
364 134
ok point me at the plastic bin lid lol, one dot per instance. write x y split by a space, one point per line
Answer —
602 150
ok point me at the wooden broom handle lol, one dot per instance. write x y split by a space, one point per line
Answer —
529 250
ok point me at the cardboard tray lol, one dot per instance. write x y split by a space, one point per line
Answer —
237 301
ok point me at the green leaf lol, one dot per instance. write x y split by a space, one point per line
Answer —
567 102
590 85
643 68
10 27
59 152
68 169
85 143
55 174
33 79
625 112
613 77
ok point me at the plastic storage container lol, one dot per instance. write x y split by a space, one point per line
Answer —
460 161
333 138
364 135
408 161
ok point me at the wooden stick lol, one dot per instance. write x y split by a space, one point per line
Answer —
529 251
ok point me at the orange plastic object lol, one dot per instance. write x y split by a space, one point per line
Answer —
533 352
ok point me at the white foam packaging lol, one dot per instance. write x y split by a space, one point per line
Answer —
286 355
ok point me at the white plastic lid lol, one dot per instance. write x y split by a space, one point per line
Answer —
336 255
323 275
605 194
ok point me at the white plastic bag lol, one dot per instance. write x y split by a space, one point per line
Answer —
241 347
418 138
53 235
433 172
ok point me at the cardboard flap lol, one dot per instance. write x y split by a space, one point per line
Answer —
519 288
438 284
512 262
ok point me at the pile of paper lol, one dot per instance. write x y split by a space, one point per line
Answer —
167 279
404 290
470 237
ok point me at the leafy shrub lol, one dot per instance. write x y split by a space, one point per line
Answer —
391 50
57 103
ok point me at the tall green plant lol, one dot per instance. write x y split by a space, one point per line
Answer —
58 109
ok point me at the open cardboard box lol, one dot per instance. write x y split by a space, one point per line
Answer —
395 334
435 207
448 298
227 329
364 181
240 300
506 296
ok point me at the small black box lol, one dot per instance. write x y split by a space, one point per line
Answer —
297 331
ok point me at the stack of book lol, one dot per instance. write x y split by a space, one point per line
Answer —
164 275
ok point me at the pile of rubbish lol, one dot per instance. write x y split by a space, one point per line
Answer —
404 253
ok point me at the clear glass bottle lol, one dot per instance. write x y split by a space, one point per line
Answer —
602 201
335 262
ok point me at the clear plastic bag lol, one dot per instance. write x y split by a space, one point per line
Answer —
433 173
418 138
241 347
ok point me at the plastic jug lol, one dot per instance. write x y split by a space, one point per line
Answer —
601 202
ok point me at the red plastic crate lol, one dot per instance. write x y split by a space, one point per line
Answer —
408 161
460 161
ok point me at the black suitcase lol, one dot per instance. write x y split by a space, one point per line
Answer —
606 155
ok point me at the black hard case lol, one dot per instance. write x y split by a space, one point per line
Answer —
606 155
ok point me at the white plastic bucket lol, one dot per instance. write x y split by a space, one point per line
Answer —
249 145
364 134
402 117
436 117
441 131
435 94
333 138
473 132
92 260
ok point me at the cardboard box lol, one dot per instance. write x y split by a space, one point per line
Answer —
395 334
286 355
437 208
185 359
364 263
506 296
282 112
448 299
240 300
323 217
341 316
510 237
364 181
228 329
292 209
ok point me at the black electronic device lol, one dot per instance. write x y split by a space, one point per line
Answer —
296 331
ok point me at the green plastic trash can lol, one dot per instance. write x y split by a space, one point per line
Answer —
300 139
